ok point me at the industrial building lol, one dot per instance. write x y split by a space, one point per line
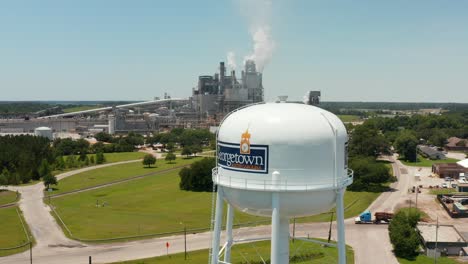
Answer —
445 238
452 170
220 94
213 97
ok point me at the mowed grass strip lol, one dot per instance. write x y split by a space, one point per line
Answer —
422 259
11 231
423 162
155 204
251 252
349 118
121 156
7 197
113 173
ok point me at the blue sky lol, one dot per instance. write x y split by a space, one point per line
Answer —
409 51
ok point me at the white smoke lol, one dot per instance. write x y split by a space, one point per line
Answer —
231 60
263 48
258 14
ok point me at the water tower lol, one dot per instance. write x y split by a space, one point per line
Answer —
280 160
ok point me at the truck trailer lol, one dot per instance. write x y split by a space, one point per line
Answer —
366 218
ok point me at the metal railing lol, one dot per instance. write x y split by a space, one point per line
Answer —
281 184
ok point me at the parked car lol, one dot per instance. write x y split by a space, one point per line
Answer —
448 179
444 185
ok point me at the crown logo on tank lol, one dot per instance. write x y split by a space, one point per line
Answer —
245 143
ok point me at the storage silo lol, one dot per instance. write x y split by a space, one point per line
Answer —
280 160
44 132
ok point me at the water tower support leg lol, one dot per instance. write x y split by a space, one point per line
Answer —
217 226
341 226
229 223
279 234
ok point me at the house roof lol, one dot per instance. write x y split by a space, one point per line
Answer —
463 163
453 141
429 151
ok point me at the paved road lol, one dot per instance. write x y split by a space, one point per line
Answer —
54 248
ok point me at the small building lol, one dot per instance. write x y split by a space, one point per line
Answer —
457 144
449 240
452 170
462 187
430 152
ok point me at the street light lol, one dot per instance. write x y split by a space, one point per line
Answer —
185 240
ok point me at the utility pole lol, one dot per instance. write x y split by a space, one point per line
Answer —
185 241
329 230
30 250
437 231
417 191
294 229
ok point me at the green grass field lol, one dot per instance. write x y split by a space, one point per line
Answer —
7 197
422 259
355 203
349 118
300 252
121 156
80 108
11 232
113 173
423 162
152 205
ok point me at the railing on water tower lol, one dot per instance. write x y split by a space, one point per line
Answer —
280 185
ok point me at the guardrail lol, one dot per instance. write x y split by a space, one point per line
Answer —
280 185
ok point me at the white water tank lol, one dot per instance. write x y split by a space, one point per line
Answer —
305 145
44 132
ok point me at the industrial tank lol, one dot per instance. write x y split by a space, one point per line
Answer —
44 132
281 160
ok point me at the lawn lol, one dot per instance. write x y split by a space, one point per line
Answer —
355 203
11 232
251 252
7 197
349 118
114 173
121 156
155 205
422 259
423 162
80 108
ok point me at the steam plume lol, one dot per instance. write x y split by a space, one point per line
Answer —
231 60
258 13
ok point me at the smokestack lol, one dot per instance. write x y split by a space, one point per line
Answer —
233 77
222 70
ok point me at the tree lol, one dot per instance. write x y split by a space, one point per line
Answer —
91 160
4 177
70 161
367 141
103 137
100 159
170 157
44 169
49 179
406 144
170 146
198 176
368 174
59 163
196 149
149 160
187 151
86 161
403 235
